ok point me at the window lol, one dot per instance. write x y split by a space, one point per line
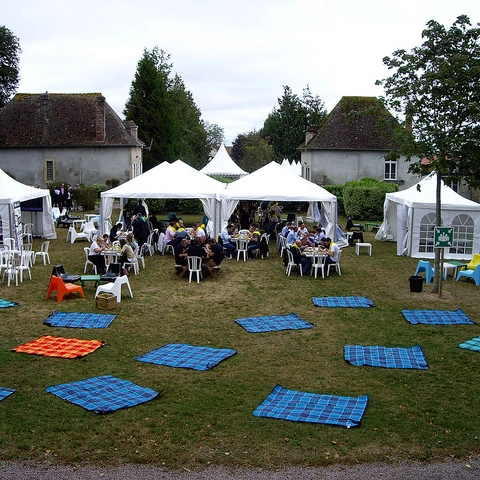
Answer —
463 230
455 185
427 229
49 170
390 170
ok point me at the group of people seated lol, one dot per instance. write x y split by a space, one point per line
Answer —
298 238
253 235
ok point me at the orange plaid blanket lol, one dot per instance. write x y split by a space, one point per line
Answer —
59 347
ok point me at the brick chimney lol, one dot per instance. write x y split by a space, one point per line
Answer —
131 128
100 119
312 130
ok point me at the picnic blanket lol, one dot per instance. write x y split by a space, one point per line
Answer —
343 302
181 355
395 357
5 392
103 394
7 303
79 320
312 407
436 317
472 344
59 347
273 323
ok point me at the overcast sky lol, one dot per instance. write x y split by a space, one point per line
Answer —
234 56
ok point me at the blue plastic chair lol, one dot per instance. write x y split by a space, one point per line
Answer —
473 274
424 266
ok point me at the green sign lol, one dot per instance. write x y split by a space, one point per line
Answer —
443 237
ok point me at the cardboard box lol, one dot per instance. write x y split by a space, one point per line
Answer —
106 301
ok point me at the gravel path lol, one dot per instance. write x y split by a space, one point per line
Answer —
468 469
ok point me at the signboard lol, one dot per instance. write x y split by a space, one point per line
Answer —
443 237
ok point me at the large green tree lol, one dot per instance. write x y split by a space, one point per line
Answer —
435 88
151 108
9 64
167 116
286 124
251 151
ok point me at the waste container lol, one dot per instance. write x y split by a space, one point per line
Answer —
416 283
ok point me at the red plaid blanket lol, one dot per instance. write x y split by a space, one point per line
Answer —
59 347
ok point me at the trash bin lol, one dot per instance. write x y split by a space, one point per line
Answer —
416 283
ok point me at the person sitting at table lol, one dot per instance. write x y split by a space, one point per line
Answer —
331 249
214 253
181 252
319 234
307 240
226 236
170 233
253 244
300 258
286 229
95 255
199 232
292 235
127 256
131 241
301 230
115 232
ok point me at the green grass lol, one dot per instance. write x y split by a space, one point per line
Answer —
206 418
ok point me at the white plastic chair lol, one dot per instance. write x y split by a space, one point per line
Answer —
88 262
149 245
318 263
24 265
161 243
28 232
291 263
194 266
73 235
43 253
115 287
335 265
27 248
242 249
90 229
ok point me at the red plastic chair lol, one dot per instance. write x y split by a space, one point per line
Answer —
56 283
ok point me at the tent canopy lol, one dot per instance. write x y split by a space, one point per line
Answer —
276 183
222 164
167 180
11 192
409 219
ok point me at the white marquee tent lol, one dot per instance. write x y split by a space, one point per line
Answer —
276 183
222 164
409 220
167 180
12 193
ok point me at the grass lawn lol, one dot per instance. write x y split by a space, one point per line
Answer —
204 418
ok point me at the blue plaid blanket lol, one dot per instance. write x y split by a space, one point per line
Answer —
7 303
386 357
436 317
181 355
343 302
103 394
5 392
472 344
312 407
273 323
79 320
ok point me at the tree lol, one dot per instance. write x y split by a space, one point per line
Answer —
151 108
9 65
251 151
286 125
436 88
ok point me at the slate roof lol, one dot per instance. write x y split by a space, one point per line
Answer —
59 120
356 123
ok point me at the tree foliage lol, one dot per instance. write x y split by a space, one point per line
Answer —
9 64
251 151
436 88
167 116
286 124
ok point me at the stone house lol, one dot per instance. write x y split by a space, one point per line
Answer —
76 138
351 145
